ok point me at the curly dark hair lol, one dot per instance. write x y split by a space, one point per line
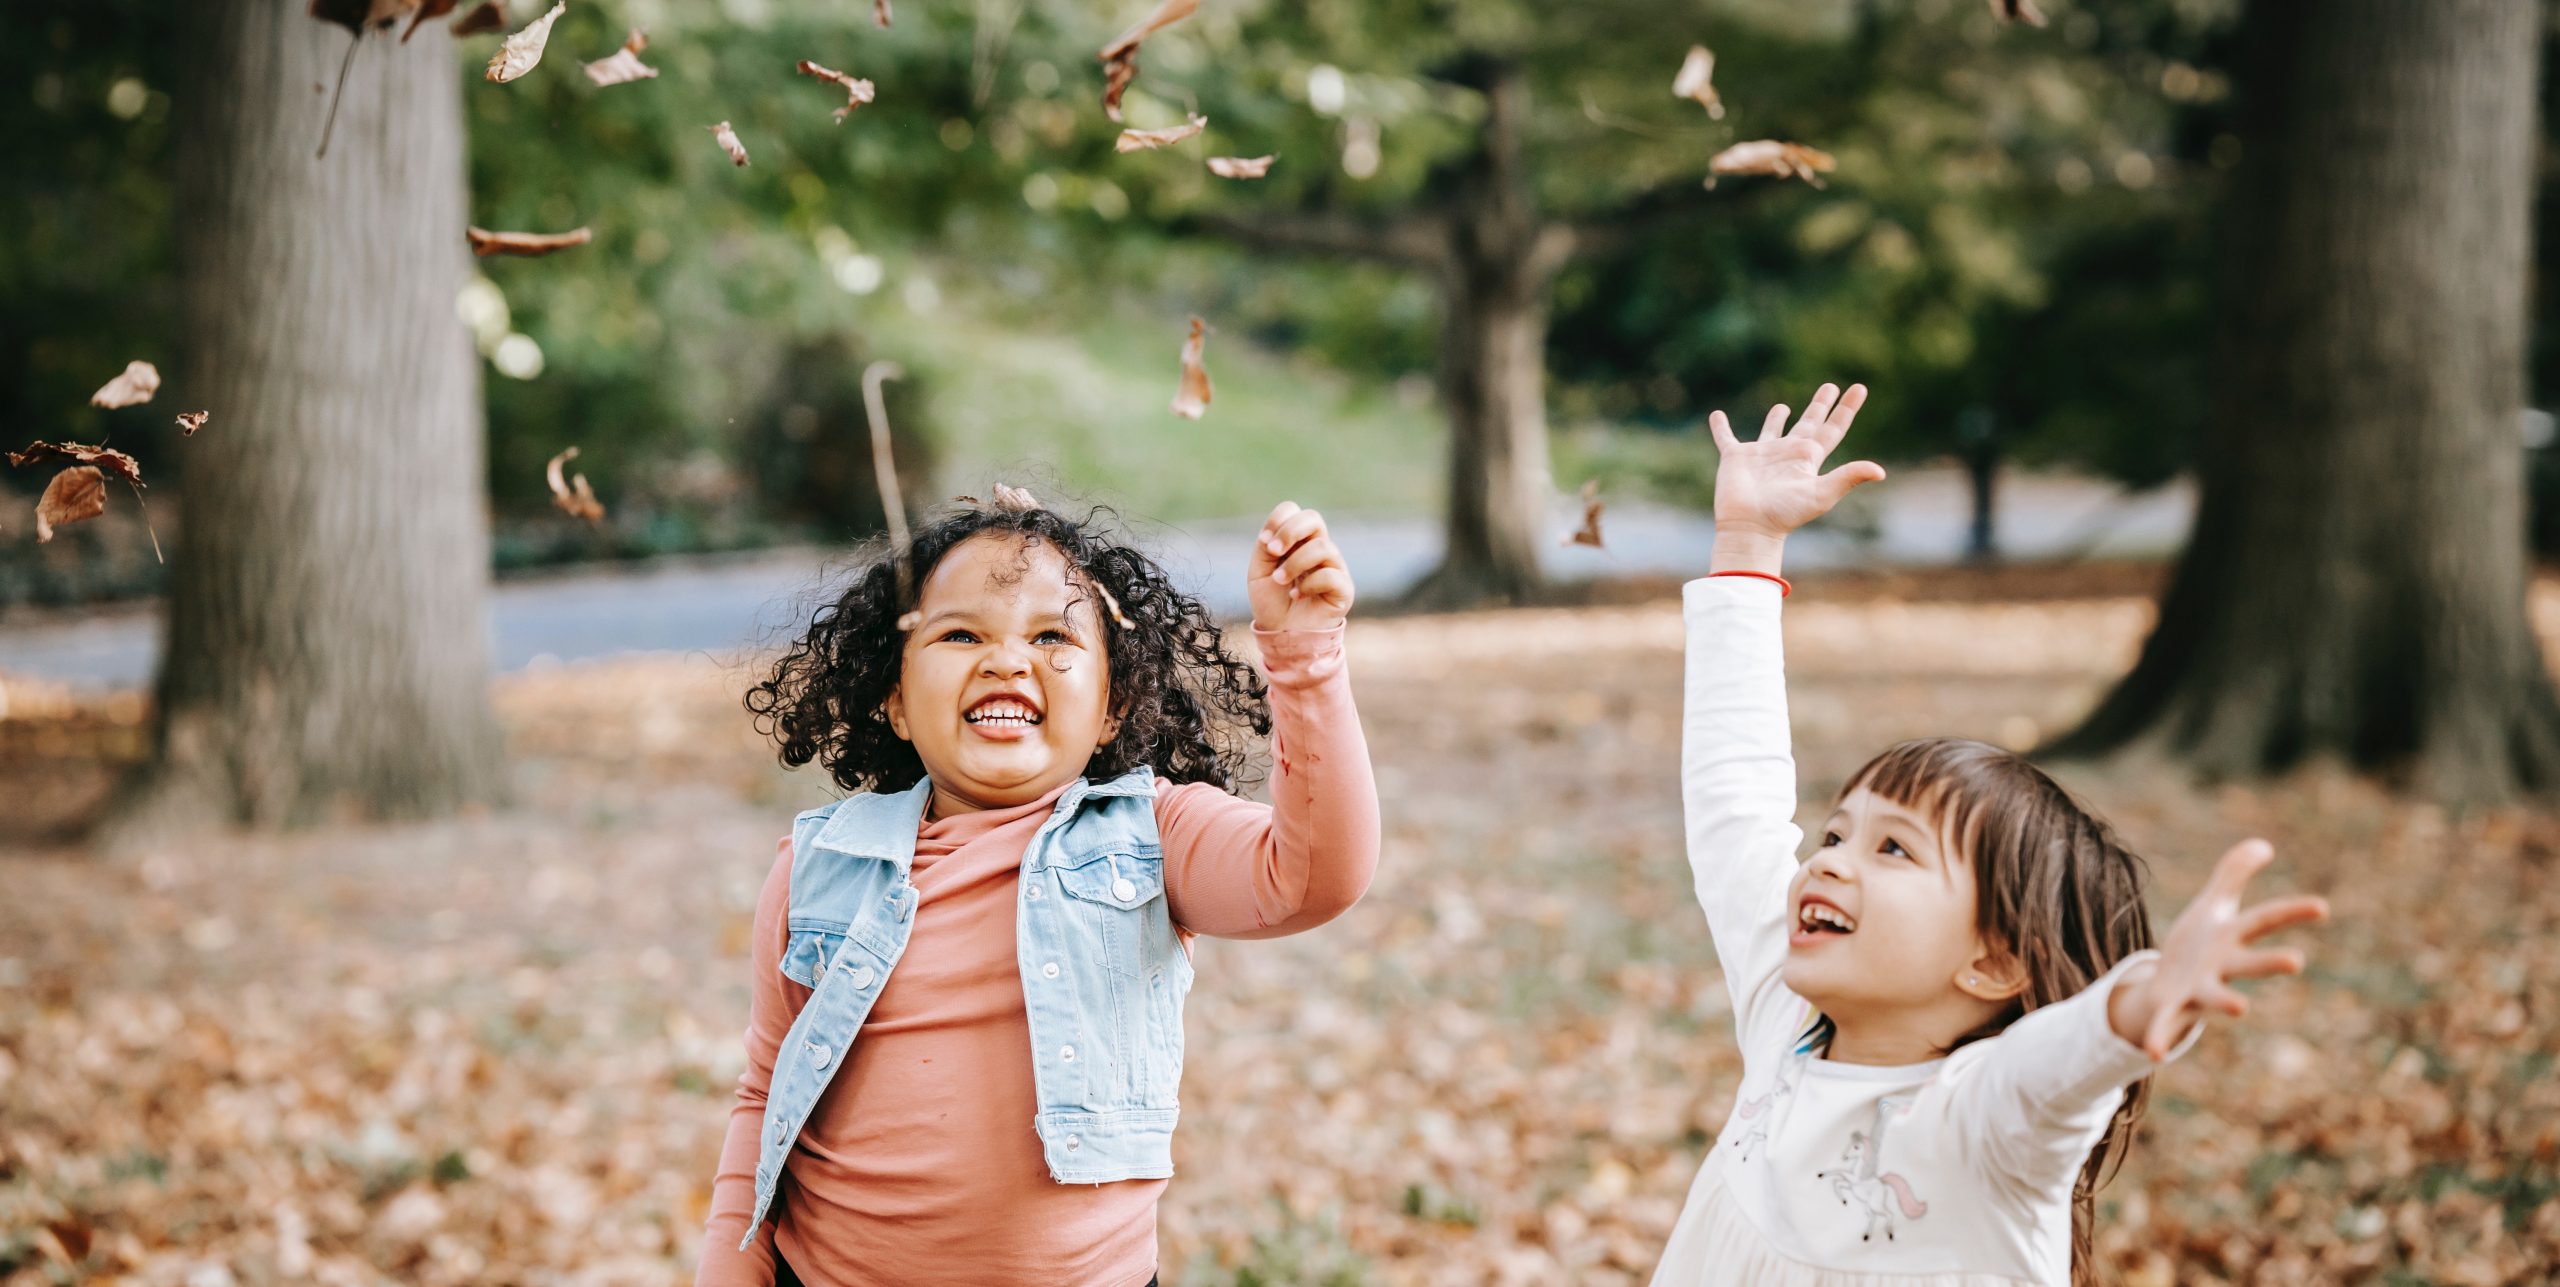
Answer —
1183 702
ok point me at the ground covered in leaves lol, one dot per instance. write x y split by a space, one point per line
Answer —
498 1050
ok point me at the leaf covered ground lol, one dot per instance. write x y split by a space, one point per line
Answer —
498 1049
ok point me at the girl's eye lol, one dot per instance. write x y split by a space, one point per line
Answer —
1054 637
1894 847
958 636
1830 838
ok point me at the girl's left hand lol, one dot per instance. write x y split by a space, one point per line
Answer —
1296 578
2208 946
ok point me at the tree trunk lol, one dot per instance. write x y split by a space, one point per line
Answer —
2355 584
327 639
1499 263
1978 431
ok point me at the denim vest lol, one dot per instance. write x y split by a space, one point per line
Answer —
1104 973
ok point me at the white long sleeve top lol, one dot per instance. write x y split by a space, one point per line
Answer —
1952 1173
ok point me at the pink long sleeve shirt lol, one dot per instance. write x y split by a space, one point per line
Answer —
920 1165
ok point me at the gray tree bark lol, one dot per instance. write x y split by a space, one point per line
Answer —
327 629
2355 587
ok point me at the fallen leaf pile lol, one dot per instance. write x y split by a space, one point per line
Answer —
501 1049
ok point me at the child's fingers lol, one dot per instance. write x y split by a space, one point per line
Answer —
1847 478
2163 1032
2231 874
1818 409
1330 585
1280 513
1723 431
2281 913
1774 423
1290 533
2266 963
1315 553
1836 425
2218 997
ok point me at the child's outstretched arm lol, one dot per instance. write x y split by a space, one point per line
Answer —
2049 1084
1237 869
1737 771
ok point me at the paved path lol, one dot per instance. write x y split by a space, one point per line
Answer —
720 605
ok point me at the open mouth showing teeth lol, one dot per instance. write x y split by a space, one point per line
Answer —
1818 918
1003 712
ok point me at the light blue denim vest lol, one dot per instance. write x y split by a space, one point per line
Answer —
1104 974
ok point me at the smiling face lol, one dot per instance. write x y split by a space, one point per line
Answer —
1884 935
1004 687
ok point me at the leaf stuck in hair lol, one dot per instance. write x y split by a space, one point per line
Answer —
1697 81
74 495
1014 498
1109 601
728 140
485 243
521 51
1191 396
1120 57
1772 157
1589 532
190 421
490 16
1241 167
623 66
134 387
571 492
1141 140
2018 11
857 91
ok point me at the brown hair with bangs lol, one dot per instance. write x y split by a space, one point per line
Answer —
2053 887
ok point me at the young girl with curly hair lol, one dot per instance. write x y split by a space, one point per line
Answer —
1949 1009
965 1035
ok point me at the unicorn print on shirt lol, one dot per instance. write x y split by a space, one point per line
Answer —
1857 1178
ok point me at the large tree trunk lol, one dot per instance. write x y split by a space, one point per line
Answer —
327 619
2355 584
1500 261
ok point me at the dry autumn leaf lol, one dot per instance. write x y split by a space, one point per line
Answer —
131 389
74 494
884 472
571 492
1241 167
2018 11
1120 57
1110 602
1014 498
490 16
1191 396
107 458
880 13
485 243
1141 140
857 91
1772 157
623 66
1589 532
728 140
1697 81
523 50
190 421
427 12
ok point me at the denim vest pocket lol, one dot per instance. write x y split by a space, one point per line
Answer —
1117 898
807 951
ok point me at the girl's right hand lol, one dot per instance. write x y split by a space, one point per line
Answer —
1773 485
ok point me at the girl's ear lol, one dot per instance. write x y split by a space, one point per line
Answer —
1994 975
894 708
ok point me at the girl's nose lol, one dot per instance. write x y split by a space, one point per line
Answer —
1005 661
1829 861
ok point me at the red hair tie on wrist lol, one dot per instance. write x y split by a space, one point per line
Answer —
1784 589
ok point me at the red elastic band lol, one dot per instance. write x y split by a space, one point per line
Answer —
1784 589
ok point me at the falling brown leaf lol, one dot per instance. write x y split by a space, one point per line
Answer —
131 389
884 472
1120 57
728 140
190 421
1240 167
1111 602
490 16
1589 532
1773 157
430 10
485 243
1014 498
623 65
524 49
857 91
1697 81
2018 11
880 13
113 461
74 494
1191 396
1140 140
571 493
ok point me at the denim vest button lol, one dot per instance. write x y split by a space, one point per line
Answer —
818 1055
860 977
1067 1053
1073 1143
1124 889
1049 971
1031 892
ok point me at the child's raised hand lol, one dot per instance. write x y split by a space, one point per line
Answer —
2208 946
1774 484
1296 578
